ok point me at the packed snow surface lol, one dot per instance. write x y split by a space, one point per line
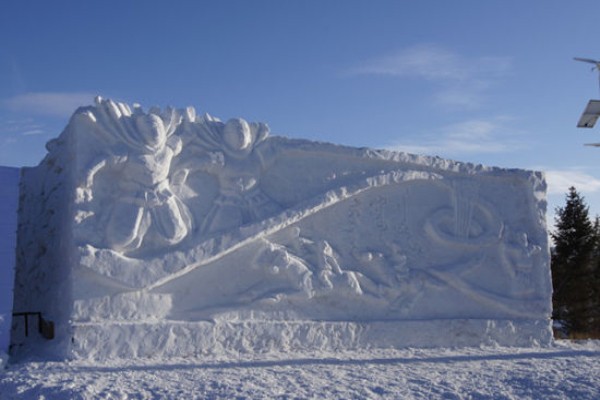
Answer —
564 370
165 233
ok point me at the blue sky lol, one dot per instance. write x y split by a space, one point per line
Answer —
490 82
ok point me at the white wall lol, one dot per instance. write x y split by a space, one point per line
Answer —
9 203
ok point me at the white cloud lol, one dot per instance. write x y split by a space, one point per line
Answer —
20 126
467 94
472 136
434 63
462 81
55 104
32 132
559 181
423 61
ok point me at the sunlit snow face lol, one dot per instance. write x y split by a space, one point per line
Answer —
152 130
237 134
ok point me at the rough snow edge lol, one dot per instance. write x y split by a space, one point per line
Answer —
191 339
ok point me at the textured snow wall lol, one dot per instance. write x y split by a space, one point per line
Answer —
9 203
179 233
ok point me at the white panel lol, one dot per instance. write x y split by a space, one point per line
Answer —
590 115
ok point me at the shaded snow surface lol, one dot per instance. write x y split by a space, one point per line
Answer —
9 195
566 370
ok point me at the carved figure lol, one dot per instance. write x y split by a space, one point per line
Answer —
231 152
144 207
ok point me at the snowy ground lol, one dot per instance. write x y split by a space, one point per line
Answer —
564 370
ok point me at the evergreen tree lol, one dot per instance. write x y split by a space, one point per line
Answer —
574 265
595 284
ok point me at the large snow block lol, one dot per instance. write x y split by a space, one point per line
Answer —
169 219
9 204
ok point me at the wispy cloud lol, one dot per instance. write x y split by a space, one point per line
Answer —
472 136
20 127
462 81
32 132
56 104
559 181
422 61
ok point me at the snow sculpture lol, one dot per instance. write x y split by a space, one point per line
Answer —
164 224
135 160
227 151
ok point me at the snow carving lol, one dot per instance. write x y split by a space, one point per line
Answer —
135 162
231 153
182 225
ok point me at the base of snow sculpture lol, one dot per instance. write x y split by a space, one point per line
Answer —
163 233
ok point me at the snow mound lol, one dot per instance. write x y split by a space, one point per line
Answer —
170 232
